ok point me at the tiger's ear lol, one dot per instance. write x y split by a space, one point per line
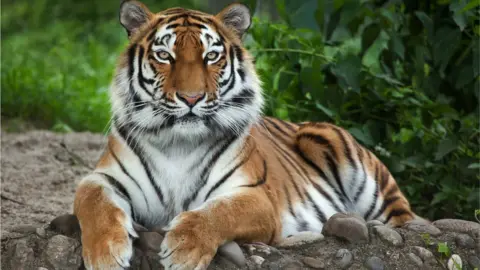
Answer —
236 17
133 14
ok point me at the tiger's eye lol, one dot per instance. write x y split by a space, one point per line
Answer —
212 55
163 55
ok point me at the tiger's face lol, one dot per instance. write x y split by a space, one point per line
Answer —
185 73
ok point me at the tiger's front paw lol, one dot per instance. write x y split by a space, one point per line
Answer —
110 249
189 244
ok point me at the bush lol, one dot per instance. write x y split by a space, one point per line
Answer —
401 76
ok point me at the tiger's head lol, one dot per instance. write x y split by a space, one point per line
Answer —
185 73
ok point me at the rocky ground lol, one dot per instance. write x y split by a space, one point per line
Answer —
40 169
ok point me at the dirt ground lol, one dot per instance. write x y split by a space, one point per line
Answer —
39 173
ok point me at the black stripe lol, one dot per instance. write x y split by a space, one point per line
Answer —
207 169
139 153
245 96
262 180
320 172
346 148
223 179
396 213
385 204
118 186
334 170
287 125
320 215
319 139
232 72
289 200
392 190
361 189
238 53
373 204
131 60
241 73
141 79
384 179
279 128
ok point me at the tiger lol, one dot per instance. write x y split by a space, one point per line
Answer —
189 150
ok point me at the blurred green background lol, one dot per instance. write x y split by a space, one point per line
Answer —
401 76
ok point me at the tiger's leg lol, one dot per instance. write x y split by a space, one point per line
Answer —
359 180
105 223
194 236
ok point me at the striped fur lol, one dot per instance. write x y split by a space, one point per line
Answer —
215 170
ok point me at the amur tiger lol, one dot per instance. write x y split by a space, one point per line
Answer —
190 151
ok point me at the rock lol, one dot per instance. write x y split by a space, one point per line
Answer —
473 261
42 268
23 256
60 253
24 229
349 227
291 266
464 241
425 254
374 263
422 227
344 258
313 263
457 225
301 238
66 224
41 232
415 259
257 260
455 262
232 252
374 222
260 248
149 241
388 235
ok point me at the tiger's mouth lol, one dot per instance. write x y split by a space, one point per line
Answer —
190 117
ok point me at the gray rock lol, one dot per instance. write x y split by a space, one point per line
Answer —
42 268
60 253
374 263
24 229
313 263
454 263
474 261
344 258
425 254
374 222
422 227
464 241
41 232
257 260
349 227
388 235
415 259
23 256
301 238
292 266
458 225
149 241
232 252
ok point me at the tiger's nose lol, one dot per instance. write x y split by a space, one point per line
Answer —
190 98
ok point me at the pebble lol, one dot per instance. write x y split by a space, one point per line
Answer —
66 224
464 241
313 263
422 227
389 235
474 261
425 254
349 227
344 258
149 241
42 268
375 263
23 256
458 225
41 232
455 262
257 260
233 253
374 222
61 254
415 259
300 239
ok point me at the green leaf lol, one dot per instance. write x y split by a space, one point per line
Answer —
445 147
347 71
325 110
371 58
427 23
474 166
369 35
364 137
444 249
446 42
397 46
471 5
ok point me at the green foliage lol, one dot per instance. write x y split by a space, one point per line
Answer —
401 76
